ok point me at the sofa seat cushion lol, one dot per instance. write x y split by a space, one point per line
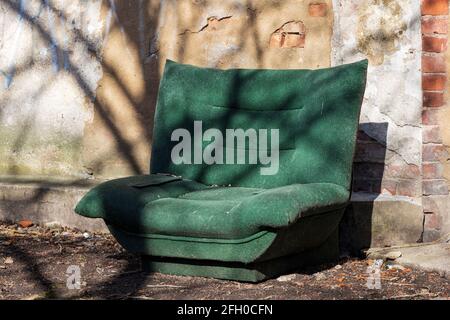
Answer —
168 205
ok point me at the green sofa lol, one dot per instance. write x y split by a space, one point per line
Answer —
231 219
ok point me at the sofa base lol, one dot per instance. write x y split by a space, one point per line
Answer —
304 234
251 272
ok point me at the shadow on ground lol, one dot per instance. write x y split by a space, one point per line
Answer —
34 262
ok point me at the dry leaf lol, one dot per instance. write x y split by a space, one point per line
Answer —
25 223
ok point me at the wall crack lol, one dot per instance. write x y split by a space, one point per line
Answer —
212 21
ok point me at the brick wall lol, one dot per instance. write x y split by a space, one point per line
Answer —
434 80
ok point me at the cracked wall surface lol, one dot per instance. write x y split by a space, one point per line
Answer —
388 34
80 80
228 34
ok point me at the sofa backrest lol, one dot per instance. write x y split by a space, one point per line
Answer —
316 113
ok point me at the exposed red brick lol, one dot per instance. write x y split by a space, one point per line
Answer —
432 221
434 152
434 7
434 44
290 35
433 63
293 41
276 40
432 170
404 171
411 171
430 235
430 117
409 188
435 187
389 186
433 99
433 82
434 25
431 134
318 9
394 170
428 204
431 203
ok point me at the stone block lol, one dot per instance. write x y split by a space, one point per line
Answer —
44 202
379 221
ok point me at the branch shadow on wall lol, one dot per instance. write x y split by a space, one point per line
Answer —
144 110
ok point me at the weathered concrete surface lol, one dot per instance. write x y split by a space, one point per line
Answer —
437 220
117 141
46 202
96 67
372 221
80 78
380 220
388 34
212 33
443 114
433 257
237 33
49 72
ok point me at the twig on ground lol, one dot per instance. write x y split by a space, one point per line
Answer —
420 294
163 286
140 298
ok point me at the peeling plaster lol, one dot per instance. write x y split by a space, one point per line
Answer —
290 35
380 27
47 108
393 92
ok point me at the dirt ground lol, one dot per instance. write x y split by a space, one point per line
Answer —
34 263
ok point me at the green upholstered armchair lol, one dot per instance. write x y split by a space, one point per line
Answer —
226 212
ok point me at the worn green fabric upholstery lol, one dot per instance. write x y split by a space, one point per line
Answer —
316 111
231 212
197 210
